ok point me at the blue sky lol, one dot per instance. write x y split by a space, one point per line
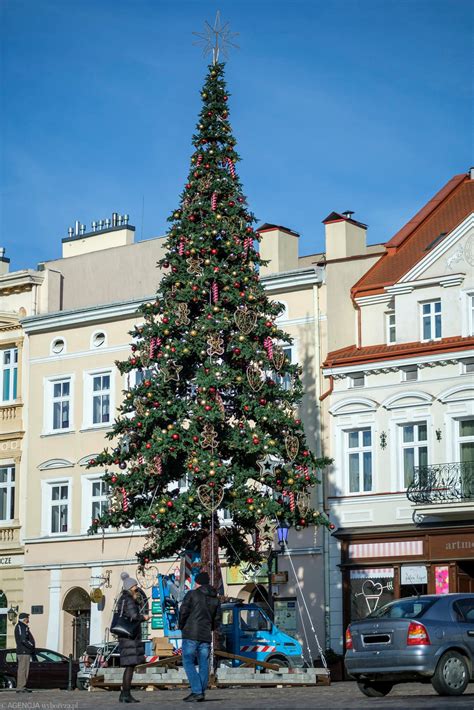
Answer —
342 104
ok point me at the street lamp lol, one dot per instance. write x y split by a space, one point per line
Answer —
282 532
12 613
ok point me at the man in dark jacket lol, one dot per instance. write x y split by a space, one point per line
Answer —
199 616
25 646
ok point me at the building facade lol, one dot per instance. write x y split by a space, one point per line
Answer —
74 389
400 400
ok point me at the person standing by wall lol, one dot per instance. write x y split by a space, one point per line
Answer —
25 646
199 616
132 650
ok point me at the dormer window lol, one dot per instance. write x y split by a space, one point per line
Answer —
431 320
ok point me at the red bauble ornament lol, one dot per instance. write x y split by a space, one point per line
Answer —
249 501
208 407
170 504
114 479
236 351
148 445
263 402
133 361
256 440
139 425
302 521
332 526
297 422
268 324
196 439
305 453
166 319
147 383
175 437
166 264
214 251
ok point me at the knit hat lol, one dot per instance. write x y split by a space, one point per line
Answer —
128 582
24 615
202 578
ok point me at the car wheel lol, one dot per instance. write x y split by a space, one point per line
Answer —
280 661
83 683
7 682
451 675
375 688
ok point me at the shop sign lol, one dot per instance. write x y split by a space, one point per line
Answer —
452 547
285 614
414 574
441 579
11 560
245 573
371 588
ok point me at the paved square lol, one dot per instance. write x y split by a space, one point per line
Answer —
339 696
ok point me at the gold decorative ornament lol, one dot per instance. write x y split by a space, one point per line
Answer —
245 319
182 314
278 358
171 371
215 345
194 266
303 502
210 496
292 445
254 377
209 438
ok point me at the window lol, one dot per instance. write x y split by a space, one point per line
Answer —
61 404
98 398
95 499
431 320
101 399
9 364
357 379
7 493
57 346
99 492
410 373
284 380
359 462
414 449
470 313
59 508
467 366
98 339
391 328
466 441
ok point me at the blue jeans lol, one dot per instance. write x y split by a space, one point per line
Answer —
196 652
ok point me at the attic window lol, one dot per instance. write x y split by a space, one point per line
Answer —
57 346
410 373
98 339
357 379
436 241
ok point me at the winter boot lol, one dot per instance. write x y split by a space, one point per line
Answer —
126 697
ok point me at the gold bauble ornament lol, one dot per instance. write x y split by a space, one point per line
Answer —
162 510
290 481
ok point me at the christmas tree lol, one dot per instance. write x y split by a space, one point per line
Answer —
209 422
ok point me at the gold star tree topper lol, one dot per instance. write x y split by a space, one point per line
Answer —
216 39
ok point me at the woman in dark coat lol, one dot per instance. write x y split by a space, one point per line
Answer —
132 650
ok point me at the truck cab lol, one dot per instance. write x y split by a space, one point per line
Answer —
248 631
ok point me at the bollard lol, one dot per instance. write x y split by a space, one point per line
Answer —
69 678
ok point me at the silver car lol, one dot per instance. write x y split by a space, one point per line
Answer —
427 638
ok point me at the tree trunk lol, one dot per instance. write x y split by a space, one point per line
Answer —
210 558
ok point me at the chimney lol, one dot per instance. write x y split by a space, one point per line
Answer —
278 245
345 236
4 262
471 173
103 234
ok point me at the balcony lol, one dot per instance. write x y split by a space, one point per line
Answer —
11 417
9 537
442 490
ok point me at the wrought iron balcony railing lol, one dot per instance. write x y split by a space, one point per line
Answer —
442 483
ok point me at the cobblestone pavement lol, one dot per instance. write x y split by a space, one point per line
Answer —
339 696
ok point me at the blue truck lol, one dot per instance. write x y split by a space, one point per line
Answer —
246 629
